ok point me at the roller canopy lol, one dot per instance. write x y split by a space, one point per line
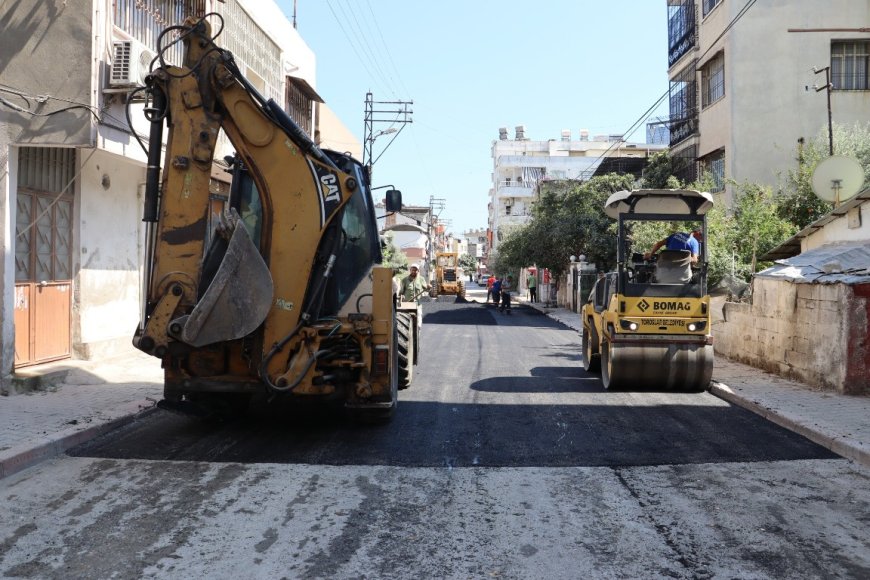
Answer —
659 201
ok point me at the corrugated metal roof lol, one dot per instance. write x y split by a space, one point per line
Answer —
792 246
841 262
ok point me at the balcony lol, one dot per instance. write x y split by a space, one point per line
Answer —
515 189
682 36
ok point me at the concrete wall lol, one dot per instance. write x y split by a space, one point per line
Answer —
852 227
109 235
335 135
46 48
815 333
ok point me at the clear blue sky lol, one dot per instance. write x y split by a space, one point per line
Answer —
472 66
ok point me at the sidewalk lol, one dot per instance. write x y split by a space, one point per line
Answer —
93 398
85 400
839 422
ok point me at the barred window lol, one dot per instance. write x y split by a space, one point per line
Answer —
682 93
144 20
709 5
713 80
714 164
849 63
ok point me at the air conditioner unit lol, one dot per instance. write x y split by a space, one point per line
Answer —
131 61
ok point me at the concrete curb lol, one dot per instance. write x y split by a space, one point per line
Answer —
28 454
849 448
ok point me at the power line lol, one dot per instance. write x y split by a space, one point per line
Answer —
376 61
387 49
350 41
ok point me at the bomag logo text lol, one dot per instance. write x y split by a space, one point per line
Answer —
674 305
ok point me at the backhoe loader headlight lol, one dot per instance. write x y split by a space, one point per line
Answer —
381 362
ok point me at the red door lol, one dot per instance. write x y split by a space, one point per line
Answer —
43 285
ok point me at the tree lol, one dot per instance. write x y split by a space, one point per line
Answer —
758 226
567 219
393 257
659 172
468 262
797 202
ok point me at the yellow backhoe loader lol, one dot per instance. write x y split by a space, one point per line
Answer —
647 325
448 281
278 287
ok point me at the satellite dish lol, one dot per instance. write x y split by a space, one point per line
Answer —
837 178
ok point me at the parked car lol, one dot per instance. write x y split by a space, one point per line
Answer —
481 281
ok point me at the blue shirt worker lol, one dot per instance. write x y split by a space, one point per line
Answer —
496 291
679 241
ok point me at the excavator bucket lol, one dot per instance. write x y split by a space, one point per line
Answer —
237 300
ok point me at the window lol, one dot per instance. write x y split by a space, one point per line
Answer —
709 5
683 104
714 164
849 62
144 20
713 80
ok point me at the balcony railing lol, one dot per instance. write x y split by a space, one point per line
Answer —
515 189
681 29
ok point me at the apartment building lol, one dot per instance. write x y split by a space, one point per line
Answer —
71 169
520 164
749 80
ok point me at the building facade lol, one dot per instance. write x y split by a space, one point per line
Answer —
748 82
520 164
72 170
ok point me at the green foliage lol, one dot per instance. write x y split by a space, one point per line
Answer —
468 263
659 172
758 225
567 219
393 257
797 202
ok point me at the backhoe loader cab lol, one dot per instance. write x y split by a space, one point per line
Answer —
647 324
278 288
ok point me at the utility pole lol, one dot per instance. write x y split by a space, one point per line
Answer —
434 203
391 112
827 87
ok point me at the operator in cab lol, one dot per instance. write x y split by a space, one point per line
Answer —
679 241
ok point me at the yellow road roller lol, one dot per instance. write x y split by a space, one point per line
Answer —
647 324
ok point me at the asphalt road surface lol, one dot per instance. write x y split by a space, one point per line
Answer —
505 460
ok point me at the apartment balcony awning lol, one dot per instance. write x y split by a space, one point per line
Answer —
305 88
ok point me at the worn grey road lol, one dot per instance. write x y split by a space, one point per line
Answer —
505 460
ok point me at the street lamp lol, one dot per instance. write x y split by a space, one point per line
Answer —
368 154
827 87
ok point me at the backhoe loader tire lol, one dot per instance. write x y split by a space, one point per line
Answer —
591 356
461 291
405 348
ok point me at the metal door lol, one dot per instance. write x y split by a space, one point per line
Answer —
43 258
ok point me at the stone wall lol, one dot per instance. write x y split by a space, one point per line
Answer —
815 333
